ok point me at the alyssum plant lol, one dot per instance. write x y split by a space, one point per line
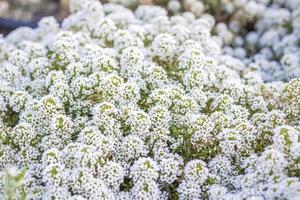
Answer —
116 104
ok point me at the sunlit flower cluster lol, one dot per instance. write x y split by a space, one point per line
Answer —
120 104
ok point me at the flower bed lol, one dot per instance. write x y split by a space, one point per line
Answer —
122 104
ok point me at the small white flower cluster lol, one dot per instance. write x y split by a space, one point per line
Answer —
115 104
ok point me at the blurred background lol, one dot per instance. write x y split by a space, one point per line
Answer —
16 13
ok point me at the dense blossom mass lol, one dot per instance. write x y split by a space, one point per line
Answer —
116 104
262 33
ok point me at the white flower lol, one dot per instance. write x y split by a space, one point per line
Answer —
164 46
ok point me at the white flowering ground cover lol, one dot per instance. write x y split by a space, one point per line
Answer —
117 104
262 33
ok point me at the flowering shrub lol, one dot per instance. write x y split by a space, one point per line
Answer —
115 104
